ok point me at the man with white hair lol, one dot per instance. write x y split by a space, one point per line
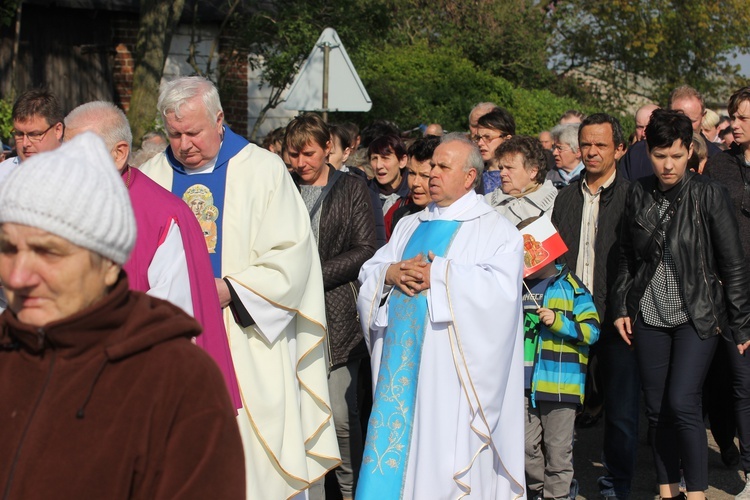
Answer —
447 370
169 260
476 113
268 277
103 393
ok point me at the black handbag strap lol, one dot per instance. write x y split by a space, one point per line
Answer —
331 181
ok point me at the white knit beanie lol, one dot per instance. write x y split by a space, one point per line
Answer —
74 192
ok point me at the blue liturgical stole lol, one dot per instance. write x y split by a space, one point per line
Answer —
204 193
392 419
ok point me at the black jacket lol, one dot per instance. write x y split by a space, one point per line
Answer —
704 242
730 170
377 207
566 217
346 240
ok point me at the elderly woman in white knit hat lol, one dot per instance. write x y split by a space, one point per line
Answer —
101 387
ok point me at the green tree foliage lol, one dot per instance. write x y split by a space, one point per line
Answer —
8 10
6 121
651 46
157 22
416 84
508 39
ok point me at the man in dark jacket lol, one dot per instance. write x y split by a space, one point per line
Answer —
636 164
587 215
728 404
101 387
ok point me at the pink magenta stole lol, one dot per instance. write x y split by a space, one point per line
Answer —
155 208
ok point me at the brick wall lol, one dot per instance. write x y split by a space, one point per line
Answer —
233 85
124 37
232 73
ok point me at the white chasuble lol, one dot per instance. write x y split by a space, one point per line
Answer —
468 430
269 256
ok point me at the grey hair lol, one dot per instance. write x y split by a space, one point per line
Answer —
175 93
489 106
566 134
105 119
473 159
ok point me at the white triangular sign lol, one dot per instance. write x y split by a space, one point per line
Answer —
345 89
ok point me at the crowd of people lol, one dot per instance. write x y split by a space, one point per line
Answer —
347 314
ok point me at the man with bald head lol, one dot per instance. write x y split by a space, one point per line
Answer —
642 117
434 129
420 292
169 260
545 137
636 163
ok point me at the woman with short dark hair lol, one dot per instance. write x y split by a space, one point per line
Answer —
682 282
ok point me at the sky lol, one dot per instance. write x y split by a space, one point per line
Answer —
744 61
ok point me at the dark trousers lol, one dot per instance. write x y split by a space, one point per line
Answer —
593 404
673 363
718 398
728 392
618 368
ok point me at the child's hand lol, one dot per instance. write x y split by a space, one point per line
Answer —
546 316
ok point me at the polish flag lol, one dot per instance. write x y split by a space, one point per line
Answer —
542 244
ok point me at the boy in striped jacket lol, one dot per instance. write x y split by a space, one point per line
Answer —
560 323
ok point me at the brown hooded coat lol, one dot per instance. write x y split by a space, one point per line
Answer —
115 402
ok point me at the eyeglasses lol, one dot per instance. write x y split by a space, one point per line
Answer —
486 138
561 148
31 136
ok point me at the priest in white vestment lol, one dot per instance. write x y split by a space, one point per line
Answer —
441 308
270 284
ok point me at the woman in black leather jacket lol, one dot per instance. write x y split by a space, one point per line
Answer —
682 281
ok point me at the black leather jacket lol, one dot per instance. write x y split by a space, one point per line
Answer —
567 219
704 241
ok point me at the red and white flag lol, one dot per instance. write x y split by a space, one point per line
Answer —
542 244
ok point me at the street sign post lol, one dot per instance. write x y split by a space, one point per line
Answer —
328 80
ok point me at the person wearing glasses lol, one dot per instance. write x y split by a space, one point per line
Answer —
493 129
680 292
37 127
732 169
568 164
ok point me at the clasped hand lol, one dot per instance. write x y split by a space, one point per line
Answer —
411 276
